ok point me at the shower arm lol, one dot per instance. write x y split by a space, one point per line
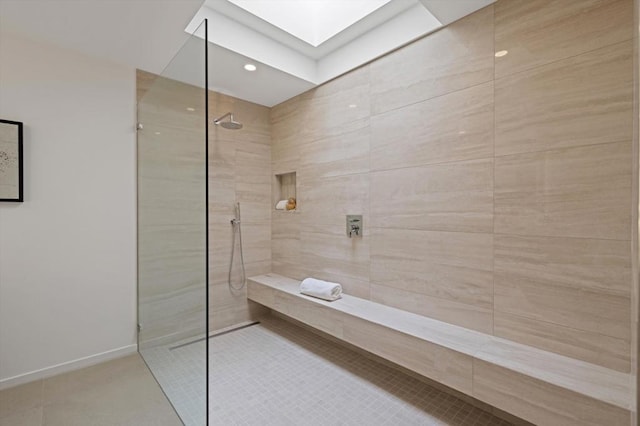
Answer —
219 119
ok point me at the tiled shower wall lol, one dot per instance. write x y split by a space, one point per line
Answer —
171 211
496 191
171 216
239 171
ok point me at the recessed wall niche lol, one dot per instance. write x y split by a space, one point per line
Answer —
285 189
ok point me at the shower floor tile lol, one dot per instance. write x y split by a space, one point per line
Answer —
277 373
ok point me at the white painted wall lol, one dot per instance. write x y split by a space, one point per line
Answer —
67 254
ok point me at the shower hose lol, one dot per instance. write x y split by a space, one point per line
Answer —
235 223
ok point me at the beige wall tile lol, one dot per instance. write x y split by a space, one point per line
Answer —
175 153
287 123
582 100
580 263
539 402
344 154
286 245
338 107
255 201
453 127
443 275
329 200
435 362
580 308
466 250
465 58
220 239
256 242
285 225
609 352
466 315
428 277
253 181
575 192
335 257
537 32
590 276
445 197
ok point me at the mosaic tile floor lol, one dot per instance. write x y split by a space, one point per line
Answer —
276 373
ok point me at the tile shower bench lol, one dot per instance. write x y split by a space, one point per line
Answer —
539 386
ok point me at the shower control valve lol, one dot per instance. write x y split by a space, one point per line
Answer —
354 225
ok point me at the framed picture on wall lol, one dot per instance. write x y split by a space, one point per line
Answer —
11 185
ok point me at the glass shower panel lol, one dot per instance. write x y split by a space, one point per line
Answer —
172 228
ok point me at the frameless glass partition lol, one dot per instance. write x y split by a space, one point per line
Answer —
172 228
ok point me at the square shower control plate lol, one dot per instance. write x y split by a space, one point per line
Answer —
354 225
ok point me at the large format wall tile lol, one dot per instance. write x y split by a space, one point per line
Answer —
453 127
344 154
601 265
419 274
582 309
453 58
337 107
462 314
535 277
329 200
444 197
228 304
595 348
582 100
444 275
253 181
286 245
575 192
537 32
286 133
328 253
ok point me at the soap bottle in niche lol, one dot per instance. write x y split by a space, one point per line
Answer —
291 203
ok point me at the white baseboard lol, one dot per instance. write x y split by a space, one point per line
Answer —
67 366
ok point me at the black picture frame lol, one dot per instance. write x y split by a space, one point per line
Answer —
19 198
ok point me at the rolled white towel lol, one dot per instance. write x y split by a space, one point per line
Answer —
281 205
321 289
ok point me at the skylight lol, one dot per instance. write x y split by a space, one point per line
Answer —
313 21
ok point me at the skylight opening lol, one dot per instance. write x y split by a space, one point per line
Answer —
312 21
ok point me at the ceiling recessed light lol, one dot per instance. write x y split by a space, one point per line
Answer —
250 67
501 53
157 133
353 106
191 109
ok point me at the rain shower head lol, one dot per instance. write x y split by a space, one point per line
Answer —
231 124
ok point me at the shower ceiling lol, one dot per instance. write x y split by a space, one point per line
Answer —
309 45
146 34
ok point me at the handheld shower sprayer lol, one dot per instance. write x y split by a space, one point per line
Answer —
235 223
